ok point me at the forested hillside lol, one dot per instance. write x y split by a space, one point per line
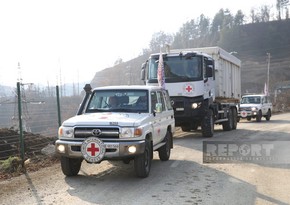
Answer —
252 43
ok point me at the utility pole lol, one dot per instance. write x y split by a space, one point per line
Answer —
268 74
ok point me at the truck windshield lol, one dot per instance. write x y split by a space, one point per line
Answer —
118 101
251 100
177 69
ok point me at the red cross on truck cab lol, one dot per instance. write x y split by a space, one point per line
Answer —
188 88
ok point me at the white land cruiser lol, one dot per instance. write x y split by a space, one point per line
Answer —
118 123
255 106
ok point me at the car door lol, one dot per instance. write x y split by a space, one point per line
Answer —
156 122
264 105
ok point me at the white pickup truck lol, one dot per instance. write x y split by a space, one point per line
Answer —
118 123
255 106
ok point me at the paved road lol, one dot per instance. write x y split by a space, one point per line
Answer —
184 179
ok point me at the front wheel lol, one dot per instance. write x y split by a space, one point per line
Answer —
142 162
70 166
268 116
259 116
164 151
207 125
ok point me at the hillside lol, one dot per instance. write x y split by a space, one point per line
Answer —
251 43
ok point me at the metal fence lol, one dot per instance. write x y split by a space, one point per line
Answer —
27 125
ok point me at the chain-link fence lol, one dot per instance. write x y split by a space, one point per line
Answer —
37 127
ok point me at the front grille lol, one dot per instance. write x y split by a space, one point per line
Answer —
246 109
106 132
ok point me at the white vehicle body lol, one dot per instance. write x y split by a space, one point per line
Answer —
255 106
140 121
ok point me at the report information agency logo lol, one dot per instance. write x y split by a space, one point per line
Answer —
264 152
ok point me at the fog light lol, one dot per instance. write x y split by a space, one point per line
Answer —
61 148
132 149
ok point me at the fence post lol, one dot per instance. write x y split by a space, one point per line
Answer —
58 106
20 123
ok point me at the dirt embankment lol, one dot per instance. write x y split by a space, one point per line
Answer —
38 153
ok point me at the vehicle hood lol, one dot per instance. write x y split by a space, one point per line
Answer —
107 119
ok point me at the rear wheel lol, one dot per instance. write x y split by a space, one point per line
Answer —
268 116
164 151
207 125
70 166
142 163
228 125
235 118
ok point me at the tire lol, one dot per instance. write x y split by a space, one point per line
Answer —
235 118
228 125
268 116
164 151
238 119
249 118
259 116
126 161
207 124
142 163
194 127
185 128
70 166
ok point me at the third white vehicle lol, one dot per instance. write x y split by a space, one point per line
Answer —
255 106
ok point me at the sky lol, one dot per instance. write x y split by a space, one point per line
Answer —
66 41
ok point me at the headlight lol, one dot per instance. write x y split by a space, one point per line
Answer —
66 132
195 105
130 132
254 109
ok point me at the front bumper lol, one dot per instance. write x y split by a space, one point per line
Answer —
114 150
246 113
183 111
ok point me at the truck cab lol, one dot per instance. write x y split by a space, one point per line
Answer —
255 107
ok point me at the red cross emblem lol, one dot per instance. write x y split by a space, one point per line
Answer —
93 149
188 88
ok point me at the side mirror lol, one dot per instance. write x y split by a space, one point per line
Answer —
143 67
143 74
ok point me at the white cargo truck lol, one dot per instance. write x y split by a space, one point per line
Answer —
204 85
